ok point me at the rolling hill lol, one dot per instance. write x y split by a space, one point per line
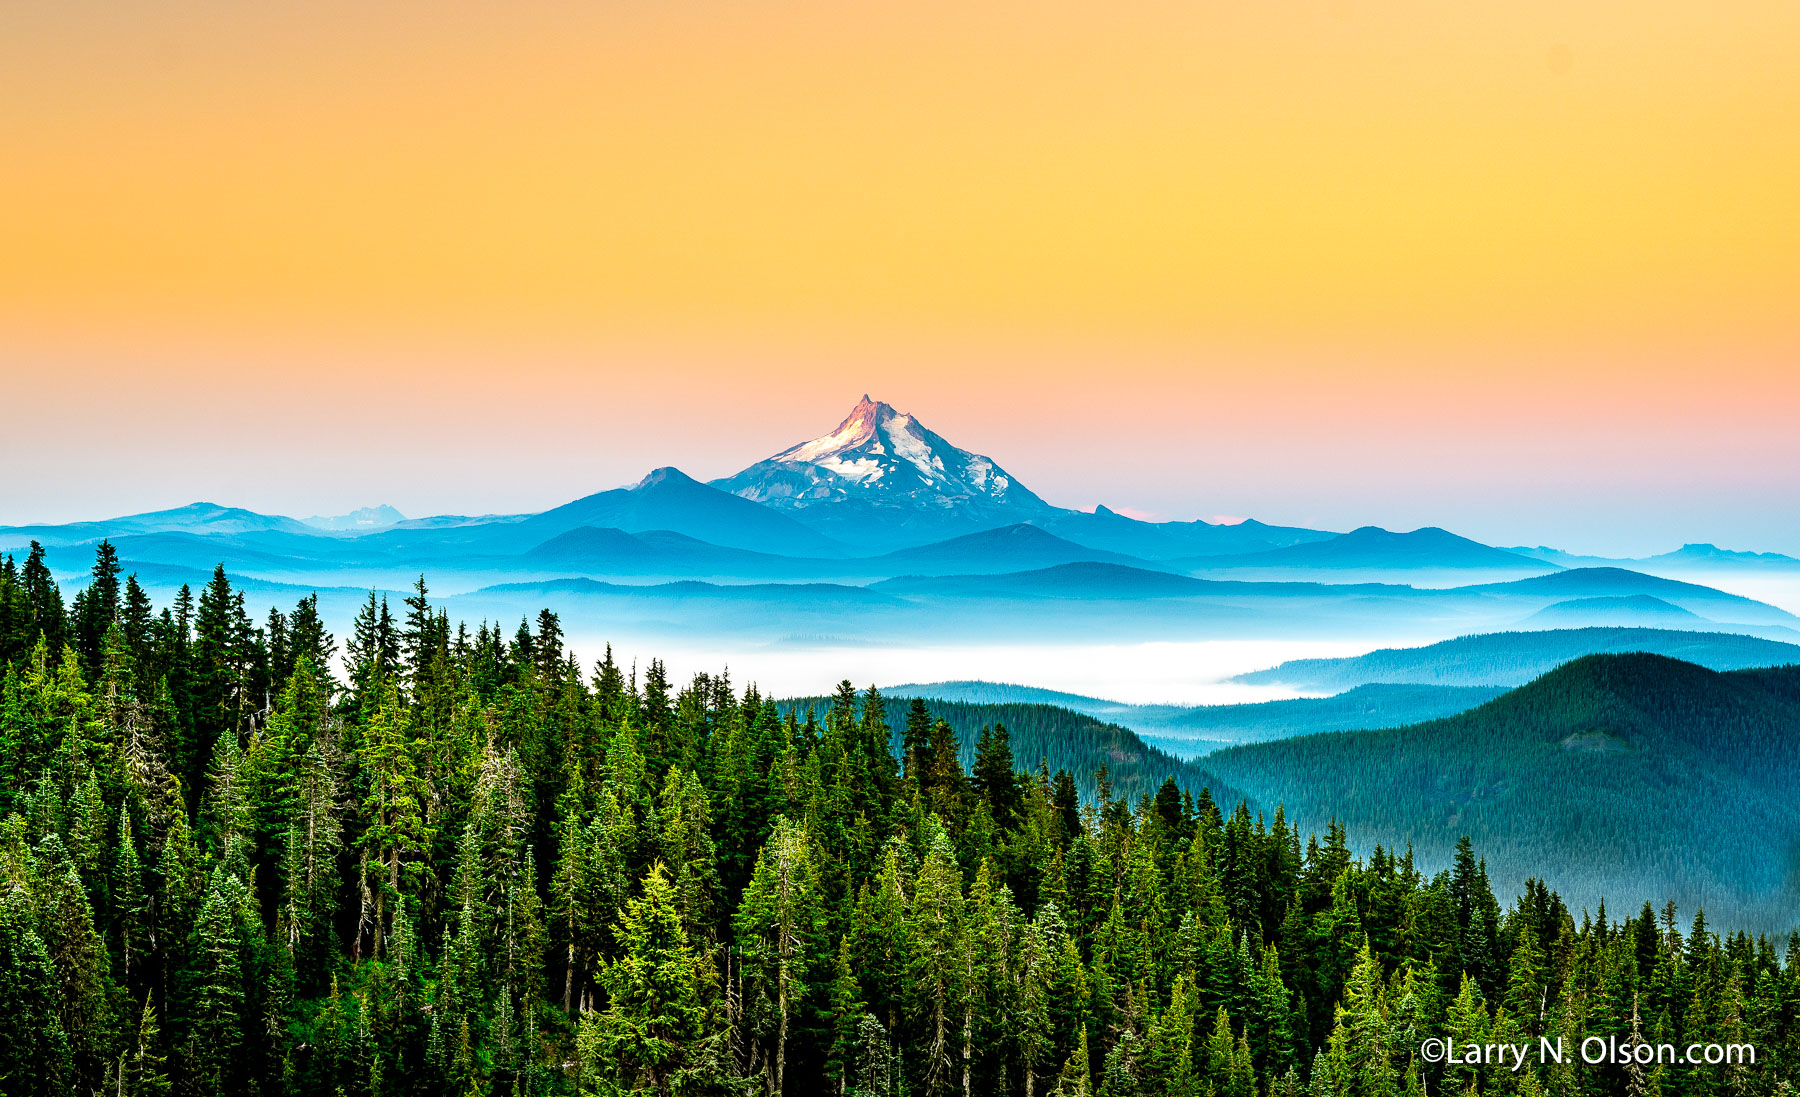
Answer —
669 499
1514 658
1018 547
1628 610
1008 693
1620 776
1079 580
1576 583
604 550
1374 548
1107 529
1194 732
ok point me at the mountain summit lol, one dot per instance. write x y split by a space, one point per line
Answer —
892 469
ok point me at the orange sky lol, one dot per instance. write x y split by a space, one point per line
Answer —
1551 249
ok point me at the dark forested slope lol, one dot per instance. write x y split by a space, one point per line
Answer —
1615 775
1060 738
1210 727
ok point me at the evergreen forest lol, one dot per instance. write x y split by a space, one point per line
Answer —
239 855
1056 737
1634 771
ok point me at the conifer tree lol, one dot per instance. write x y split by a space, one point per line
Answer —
881 942
1467 1024
45 621
372 652
567 899
218 999
65 923
137 617
1122 1073
779 927
311 847
985 967
847 1015
129 904
96 607
141 1065
218 676
1031 1020
686 847
1525 992
993 775
654 1036
1074 1079
1364 1063
1168 1054
935 932
227 808
394 831
917 739
34 1047
309 639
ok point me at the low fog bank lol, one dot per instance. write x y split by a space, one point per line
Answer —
1180 673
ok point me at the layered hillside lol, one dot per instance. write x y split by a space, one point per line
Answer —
1613 776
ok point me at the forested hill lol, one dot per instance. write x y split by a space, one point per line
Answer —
1059 737
469 866
1615 776
1514 658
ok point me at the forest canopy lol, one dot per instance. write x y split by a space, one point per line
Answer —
235 859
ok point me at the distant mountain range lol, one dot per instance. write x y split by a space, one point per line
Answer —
1374 548
880 484
366 518
930 540
198 518
1086 580
1106 529
1693 557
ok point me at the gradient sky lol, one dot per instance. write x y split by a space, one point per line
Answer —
1527 270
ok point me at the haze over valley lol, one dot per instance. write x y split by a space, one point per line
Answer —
890 549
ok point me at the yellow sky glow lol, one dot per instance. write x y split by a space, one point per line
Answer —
1529 269
1308 168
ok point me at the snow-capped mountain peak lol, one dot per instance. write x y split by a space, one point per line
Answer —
885 458
859 427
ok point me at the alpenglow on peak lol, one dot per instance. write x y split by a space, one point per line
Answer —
884 458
